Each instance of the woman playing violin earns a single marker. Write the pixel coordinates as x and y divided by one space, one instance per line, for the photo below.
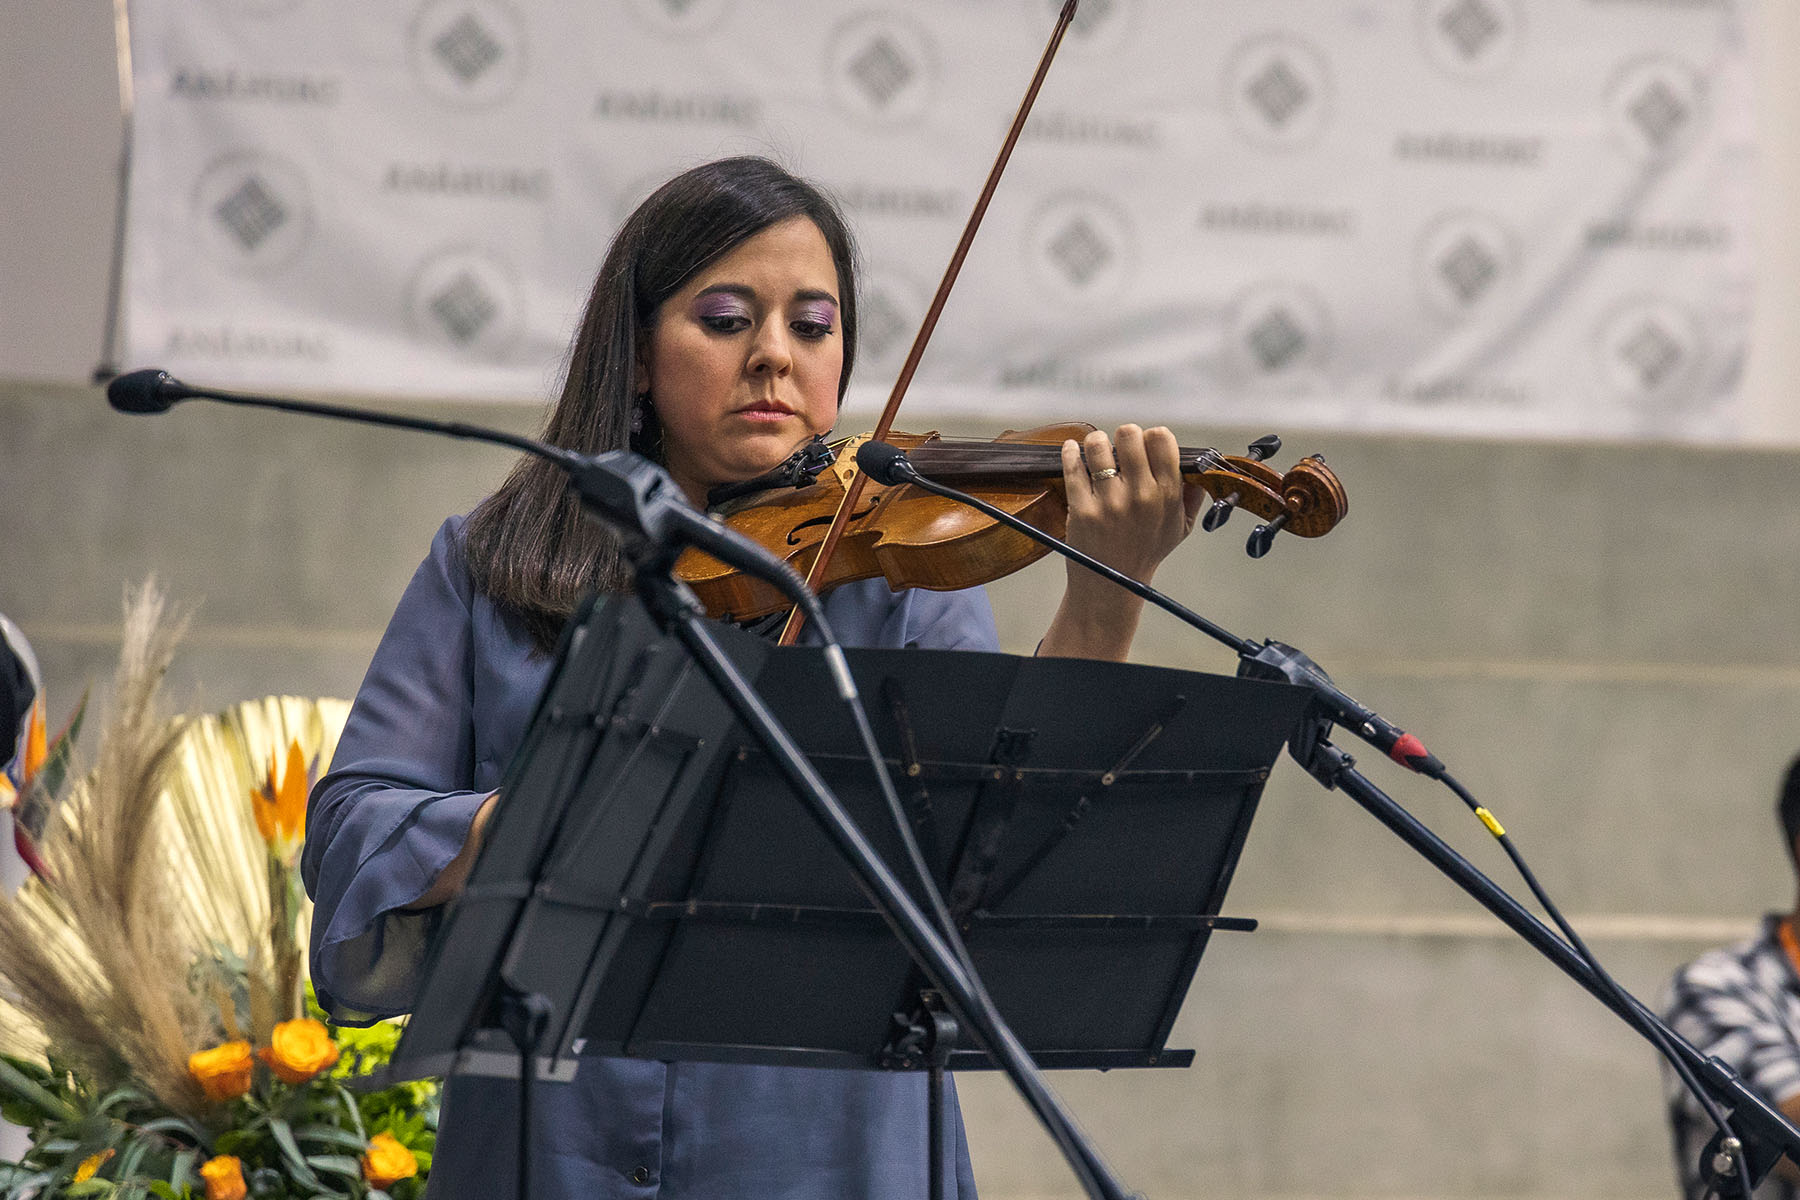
718 339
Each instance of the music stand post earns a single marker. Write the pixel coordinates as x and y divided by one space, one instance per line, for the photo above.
649 843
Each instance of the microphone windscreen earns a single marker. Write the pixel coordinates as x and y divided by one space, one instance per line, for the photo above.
882 463
140 391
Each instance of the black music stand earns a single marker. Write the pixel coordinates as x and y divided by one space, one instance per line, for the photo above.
1082 819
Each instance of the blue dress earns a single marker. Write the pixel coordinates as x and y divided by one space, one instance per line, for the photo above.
443 707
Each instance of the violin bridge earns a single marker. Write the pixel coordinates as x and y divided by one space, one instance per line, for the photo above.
844 467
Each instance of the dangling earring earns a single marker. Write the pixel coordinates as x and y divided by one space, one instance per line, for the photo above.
638 405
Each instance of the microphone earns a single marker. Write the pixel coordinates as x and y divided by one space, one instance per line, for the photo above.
886 464
626 490
145 391
1267 660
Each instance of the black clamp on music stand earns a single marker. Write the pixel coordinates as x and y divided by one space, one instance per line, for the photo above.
1083 820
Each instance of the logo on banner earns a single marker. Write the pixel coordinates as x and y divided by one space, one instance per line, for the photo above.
252 211
1278 329
1099 25
1278 91
1081 247
888 313
1471 39
467 300
681 18
469 52
1649 351
1657 108
231 343
1464 260
201 83
883 68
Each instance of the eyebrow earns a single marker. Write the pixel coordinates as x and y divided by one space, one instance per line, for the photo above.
749 293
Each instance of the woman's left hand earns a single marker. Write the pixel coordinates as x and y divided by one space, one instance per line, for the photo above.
1129 508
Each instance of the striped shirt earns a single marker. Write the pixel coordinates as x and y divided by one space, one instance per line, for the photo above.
1742 1005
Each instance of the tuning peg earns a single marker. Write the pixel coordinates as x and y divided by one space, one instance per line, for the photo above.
1264 447
1263 536
1219 513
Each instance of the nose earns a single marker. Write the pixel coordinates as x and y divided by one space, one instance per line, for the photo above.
771 352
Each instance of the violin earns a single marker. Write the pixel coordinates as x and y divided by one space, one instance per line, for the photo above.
914 539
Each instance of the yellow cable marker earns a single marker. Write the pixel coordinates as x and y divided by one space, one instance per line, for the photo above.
1487 818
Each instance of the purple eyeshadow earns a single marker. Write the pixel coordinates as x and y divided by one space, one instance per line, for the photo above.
720 304
822 312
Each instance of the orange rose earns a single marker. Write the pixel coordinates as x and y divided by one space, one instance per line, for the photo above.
224 1177
387 1161
300 1049
224 1071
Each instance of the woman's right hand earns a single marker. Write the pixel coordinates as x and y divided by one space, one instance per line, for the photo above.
456 872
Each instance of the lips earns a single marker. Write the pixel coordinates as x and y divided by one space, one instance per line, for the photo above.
768 408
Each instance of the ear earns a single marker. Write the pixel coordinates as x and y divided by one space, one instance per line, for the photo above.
640 376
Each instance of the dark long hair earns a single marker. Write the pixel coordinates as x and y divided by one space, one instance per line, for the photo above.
528 547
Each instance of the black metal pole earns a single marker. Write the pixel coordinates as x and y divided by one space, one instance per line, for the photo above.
1753 1116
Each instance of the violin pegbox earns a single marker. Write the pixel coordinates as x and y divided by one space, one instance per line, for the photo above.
1307 500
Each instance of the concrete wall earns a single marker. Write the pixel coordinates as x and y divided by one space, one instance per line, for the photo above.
1599 638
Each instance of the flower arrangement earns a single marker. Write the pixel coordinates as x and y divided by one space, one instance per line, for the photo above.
157 1035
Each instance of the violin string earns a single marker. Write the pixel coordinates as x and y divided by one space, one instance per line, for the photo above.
944 453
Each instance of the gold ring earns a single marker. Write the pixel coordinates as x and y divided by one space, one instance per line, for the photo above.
1107 473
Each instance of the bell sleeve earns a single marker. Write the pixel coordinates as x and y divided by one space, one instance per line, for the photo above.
399 800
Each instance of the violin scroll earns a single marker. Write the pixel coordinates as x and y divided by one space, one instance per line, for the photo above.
1308 500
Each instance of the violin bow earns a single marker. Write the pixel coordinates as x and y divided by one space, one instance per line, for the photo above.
841 519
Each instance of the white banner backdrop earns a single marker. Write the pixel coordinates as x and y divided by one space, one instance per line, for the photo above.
1476 216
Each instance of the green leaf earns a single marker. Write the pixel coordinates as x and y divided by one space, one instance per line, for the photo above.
181 1171
91 1187
333 1135
29 1185
176 1125
290 1151
17 1083
134 1154
351 1107
121 1094
59 754
337 1164
233 1142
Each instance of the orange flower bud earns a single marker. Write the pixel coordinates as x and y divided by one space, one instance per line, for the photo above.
300 1049
224 1177
223 1072
387 1161
90 1166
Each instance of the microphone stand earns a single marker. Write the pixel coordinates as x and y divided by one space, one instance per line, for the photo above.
637 498
1766 1135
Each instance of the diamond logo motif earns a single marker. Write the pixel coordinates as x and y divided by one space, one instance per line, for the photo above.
1471 27
464 308
1277 339
1653 354
467 48
1080 252
1659 113
1469 269
1278 92
677 8
251 213
882 71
